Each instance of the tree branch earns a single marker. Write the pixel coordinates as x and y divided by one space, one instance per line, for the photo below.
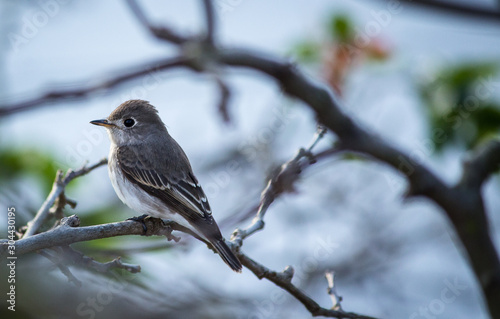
77 258
62 267
57 189
69 233
94 86
463 207
162 33
457 7
332 291
209 21
462 203
283 181
483 162
224 96
284 280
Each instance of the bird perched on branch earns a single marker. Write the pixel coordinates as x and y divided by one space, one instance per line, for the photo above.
152 175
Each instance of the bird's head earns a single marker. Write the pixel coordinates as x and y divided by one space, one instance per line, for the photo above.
132 122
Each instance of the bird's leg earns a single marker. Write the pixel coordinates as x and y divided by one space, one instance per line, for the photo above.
169 230
140 219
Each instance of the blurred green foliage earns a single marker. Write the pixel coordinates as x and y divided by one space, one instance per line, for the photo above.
340 34
459 100
460 105
16 163
306 51
341 28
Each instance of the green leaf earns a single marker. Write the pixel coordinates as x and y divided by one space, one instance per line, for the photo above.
341 28
306 51
454 106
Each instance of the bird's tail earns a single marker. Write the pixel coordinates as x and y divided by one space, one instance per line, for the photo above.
227 255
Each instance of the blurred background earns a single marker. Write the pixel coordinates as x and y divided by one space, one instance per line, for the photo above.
425 80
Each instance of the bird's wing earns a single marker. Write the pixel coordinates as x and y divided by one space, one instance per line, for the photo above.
177 187
173 182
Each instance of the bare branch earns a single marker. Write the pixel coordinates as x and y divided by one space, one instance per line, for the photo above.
284 280
282 182
465 209
332 291
69 232
482 163
57 189
77 258
85 90
162 33
462 203
209 20
279 184
224 96
64 269
458 7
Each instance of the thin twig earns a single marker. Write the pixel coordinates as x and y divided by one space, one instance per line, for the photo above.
209 21
163 32
284 280
465 208
64 269
224 97
282 182
332 291
57 189
94 86
77 258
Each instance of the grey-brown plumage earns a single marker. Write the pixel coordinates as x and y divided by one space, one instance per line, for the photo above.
152 175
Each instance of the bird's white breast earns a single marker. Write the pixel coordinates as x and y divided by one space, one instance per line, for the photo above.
136 198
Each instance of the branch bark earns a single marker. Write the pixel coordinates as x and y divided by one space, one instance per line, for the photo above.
209 21
57 189
283 279
463 206
160 32
69 233
282 182
481 164
457 7
83 91
462 202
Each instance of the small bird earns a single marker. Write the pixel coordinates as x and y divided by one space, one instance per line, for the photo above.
152 175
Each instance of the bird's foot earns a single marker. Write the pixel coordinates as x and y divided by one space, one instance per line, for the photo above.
169 230
140 219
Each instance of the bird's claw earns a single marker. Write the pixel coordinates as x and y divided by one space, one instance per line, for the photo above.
140 219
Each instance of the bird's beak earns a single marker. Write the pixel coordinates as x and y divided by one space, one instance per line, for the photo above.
104 123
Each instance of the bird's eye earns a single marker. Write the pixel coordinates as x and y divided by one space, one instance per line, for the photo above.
129 122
